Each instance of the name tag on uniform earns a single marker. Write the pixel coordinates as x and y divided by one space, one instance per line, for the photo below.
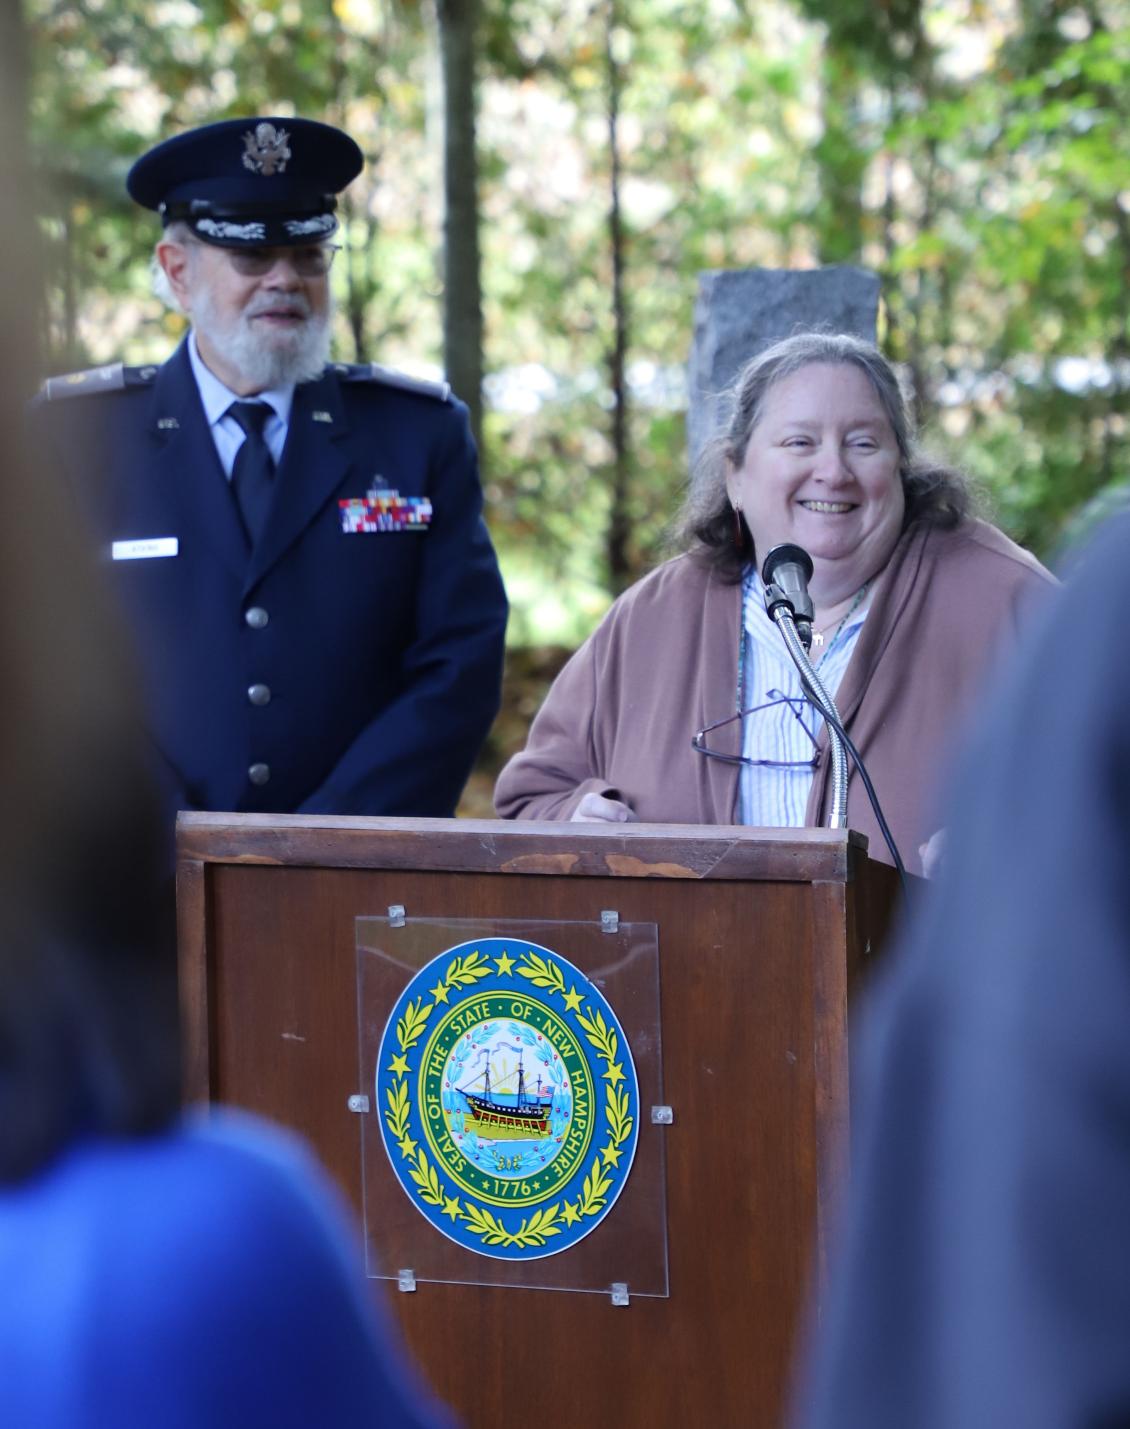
145 549
385 510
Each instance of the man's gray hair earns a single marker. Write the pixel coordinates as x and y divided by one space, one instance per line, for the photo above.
177 232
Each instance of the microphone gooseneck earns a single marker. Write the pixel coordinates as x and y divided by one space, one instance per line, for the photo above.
786 572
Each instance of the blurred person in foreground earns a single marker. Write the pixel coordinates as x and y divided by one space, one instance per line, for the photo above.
913 596
155 1269
984 1278
298 545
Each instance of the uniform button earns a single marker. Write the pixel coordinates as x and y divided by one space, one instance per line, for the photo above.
259 773
259 694
256 617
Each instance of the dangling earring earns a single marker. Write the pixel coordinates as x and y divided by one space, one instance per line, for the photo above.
739 534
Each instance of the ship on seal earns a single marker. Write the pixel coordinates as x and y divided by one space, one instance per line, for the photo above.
503 1117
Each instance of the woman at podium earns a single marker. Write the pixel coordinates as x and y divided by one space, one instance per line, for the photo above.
684 706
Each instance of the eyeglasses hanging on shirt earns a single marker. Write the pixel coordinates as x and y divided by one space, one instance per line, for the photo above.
796 704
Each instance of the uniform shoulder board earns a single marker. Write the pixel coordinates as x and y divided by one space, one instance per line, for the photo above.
374 372
114 377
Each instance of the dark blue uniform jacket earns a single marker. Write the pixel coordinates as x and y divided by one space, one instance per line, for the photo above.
381 651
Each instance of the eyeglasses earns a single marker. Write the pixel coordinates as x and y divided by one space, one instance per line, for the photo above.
312 261
795 703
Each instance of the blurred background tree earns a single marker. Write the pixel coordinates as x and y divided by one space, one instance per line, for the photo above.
545 179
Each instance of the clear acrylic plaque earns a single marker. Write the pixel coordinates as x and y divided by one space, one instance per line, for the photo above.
429 1214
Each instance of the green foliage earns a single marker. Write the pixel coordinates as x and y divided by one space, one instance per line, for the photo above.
975 158
110 80
1028 227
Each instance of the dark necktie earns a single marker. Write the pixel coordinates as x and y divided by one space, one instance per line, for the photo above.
252 476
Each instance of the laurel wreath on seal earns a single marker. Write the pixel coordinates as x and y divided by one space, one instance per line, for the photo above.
536 1229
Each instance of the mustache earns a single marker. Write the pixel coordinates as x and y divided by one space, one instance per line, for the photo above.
296 304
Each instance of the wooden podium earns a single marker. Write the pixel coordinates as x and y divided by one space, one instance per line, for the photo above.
760 933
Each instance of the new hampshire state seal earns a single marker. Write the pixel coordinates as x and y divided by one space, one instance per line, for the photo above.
508 1099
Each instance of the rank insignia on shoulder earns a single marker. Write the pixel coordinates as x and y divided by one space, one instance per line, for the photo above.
114 377
384 510
387 377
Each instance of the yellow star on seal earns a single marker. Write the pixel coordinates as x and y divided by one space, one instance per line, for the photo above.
407 1145
399 1065
439 992
615 1073
572 1000
611 1155
504 964
571 1216
451 1207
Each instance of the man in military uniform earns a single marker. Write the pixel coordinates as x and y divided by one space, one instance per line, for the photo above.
298 546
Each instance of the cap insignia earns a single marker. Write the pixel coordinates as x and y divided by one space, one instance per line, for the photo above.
266 150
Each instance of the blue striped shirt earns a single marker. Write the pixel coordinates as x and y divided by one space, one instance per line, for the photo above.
768 797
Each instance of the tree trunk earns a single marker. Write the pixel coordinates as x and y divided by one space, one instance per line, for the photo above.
462 291
358 284
22 312
618 522
842 161
68 282
357 293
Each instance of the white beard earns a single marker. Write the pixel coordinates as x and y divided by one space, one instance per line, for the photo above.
277 359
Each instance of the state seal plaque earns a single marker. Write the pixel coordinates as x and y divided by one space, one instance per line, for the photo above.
507 1098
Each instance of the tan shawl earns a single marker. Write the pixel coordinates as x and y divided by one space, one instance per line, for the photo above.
663 663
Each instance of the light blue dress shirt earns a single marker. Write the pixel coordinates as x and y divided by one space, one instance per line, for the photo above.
226 432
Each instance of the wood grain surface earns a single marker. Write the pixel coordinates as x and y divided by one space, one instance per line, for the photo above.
757 955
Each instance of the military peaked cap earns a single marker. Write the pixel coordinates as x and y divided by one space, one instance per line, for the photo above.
249 182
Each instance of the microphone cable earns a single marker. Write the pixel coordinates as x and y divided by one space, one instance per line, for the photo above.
877 808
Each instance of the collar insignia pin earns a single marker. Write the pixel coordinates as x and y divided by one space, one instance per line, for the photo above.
321 416
266 150
168 424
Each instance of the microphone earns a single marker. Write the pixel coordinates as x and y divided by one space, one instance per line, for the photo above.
786 572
